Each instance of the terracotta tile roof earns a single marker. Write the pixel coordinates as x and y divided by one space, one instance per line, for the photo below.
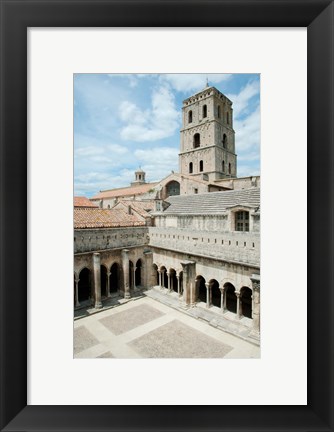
131 190
83 202
143 208
105 218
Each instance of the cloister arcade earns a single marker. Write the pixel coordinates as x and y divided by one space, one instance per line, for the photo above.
224 296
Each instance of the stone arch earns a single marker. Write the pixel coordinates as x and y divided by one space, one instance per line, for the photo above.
231 298
115 277
172 188
246 301
200 288
215 293
173 279
155 275
104 280
164 277
85 285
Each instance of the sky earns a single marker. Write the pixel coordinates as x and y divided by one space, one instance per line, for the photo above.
126 121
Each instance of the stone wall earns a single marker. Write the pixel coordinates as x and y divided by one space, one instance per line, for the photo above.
87 240
241 247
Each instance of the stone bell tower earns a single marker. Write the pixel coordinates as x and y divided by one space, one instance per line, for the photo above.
207 148
139 177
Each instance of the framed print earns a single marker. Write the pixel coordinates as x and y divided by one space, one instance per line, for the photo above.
133 409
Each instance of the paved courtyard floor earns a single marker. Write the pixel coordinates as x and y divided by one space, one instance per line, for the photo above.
146 328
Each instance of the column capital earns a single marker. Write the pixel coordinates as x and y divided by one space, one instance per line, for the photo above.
237 293
108 274
255 278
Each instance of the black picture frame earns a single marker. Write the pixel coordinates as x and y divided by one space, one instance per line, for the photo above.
16 17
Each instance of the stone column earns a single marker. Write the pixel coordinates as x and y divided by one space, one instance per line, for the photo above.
225 300
125 265
189 275
208 289
77 304
255 333
163 278
159 272
108 284
222 300
97 280
148 269
134 278
178 285
168 282
237 293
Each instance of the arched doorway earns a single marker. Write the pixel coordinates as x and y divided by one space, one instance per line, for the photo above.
114 278
201 288
164 277
215 293
138 272
104 280
246 302
231 299
85 285
173 279
155 275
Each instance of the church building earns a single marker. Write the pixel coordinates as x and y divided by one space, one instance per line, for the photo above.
194 235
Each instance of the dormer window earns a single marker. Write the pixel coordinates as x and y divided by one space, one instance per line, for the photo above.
242 221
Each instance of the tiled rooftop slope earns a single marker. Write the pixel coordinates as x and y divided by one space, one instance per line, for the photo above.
213 202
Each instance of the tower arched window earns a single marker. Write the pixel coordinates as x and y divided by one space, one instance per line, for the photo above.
197 140
190 168
205 111
201 166
223 165
224 141
228 118
190 116
229 168
218 111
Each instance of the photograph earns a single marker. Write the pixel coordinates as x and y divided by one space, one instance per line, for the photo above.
166 216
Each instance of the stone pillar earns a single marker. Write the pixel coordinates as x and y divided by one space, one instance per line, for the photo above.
159 272
125 265
76 293
134 277
222 300
225 299
168 282
149 269
208 289
237 293
255 333
97 280
108 284
189 276
178 285
163 278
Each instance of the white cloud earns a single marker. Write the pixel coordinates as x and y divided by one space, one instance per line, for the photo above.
191 82
159 121
247 132
241 100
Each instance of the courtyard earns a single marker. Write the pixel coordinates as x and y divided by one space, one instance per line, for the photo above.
147 328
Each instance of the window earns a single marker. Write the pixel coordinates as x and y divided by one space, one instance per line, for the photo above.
223 165
205 111
218 111
190 168
227 118
229 168
242 221
196 192
224 141
190 116
201 166
197 140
